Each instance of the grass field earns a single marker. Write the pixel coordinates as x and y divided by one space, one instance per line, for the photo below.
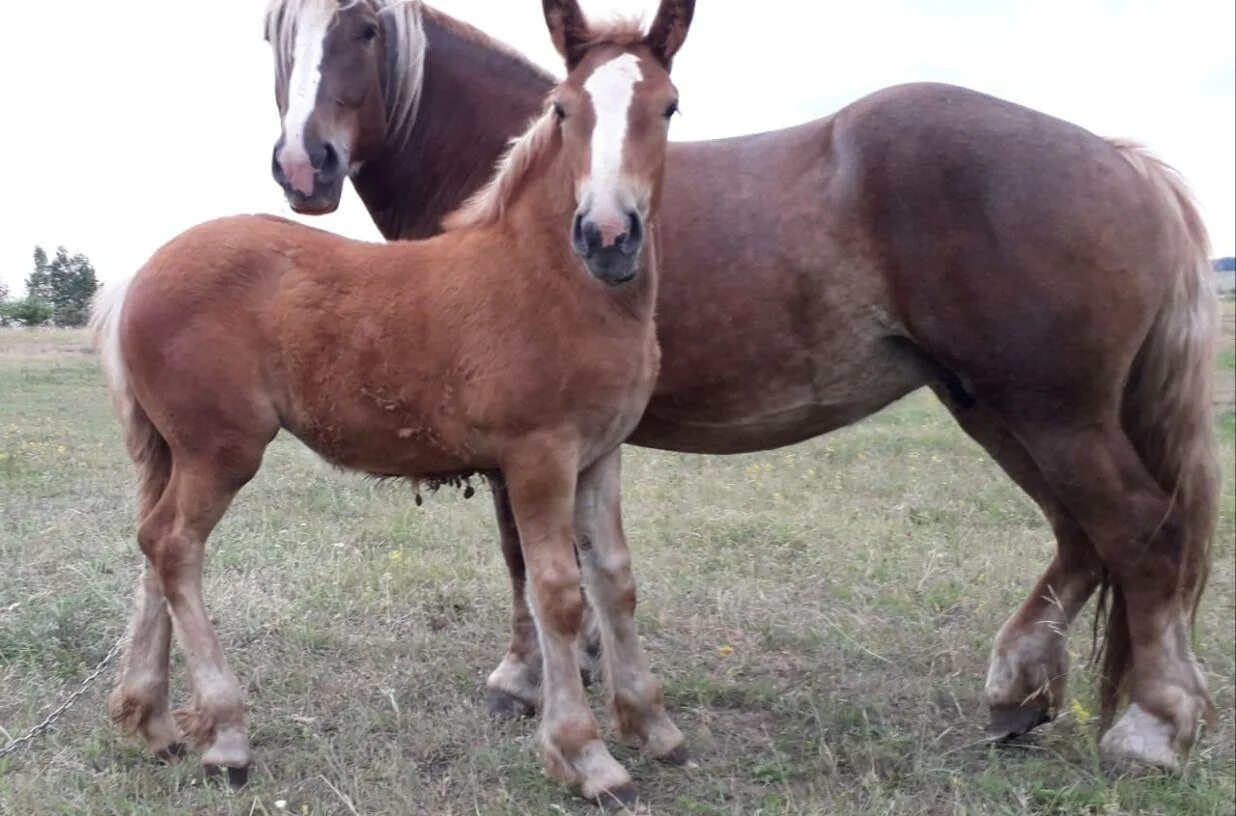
820 617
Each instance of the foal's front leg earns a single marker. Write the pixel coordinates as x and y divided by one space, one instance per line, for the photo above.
541 480
634 693
513 689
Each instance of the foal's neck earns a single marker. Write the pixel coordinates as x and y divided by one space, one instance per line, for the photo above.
474 98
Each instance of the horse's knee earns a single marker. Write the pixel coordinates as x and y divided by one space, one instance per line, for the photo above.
560 605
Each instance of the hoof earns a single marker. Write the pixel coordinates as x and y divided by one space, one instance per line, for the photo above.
502 705
1138 741
1010 722
237 777
620 798
172 753
678 756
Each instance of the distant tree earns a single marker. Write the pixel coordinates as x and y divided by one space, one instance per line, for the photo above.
26 312
65 284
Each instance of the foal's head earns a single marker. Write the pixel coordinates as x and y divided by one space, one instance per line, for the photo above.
613 112
333 63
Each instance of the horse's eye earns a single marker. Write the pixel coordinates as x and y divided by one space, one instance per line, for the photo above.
559 112
369 32
671 109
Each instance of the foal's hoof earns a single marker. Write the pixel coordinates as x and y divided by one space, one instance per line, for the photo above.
237 776
172 753
1010 722
619 799
679 756
503 705
1138 742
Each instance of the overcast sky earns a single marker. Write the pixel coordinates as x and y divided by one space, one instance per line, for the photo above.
129 122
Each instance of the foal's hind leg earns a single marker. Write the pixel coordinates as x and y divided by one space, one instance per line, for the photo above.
174 538
635 695
1028 671
139 700
1138 532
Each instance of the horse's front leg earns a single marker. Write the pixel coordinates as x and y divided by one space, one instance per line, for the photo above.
634 693
514 687
541 479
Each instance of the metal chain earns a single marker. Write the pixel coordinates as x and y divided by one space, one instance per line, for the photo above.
51 718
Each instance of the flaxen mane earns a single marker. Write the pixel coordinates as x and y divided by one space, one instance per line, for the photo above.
406 66
487 205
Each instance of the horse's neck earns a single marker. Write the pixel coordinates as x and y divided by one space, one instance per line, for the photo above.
473 101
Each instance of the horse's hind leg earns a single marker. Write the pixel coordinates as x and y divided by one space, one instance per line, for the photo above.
139 700
174 538
1028 671
1138 532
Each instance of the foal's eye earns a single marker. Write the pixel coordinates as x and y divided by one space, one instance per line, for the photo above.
671 109
559 112
369 32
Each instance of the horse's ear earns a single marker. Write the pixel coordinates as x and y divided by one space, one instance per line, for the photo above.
567 28
669 30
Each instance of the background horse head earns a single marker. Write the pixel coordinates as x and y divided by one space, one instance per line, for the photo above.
334 64
351 79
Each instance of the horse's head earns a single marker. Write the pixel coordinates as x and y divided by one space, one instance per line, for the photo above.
613 113
330 58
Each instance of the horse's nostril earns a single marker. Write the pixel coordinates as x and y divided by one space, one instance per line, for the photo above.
634 237
577 236
330 162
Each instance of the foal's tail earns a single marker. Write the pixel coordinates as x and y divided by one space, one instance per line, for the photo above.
147 447
1167 412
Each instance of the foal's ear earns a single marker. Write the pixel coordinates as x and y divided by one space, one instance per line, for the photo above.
567 28
669 30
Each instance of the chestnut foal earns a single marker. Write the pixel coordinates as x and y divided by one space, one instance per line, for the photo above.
487 349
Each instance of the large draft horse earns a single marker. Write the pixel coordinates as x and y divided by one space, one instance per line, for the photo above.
1048 284
488 349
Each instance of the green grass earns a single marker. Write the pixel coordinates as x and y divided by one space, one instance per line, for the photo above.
819 616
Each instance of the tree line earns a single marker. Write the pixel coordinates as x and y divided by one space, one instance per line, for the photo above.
58 292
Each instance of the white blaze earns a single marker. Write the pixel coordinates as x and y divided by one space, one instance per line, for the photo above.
303 84
611 86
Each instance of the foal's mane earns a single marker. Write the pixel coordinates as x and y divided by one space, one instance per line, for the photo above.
525 153
405 69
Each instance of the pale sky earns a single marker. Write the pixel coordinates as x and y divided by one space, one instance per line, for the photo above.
129 122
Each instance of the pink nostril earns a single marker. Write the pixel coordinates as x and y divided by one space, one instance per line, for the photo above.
611 231
297 169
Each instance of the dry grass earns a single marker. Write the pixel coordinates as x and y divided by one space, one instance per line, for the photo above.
820 617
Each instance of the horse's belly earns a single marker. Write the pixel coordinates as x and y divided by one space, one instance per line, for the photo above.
775 406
